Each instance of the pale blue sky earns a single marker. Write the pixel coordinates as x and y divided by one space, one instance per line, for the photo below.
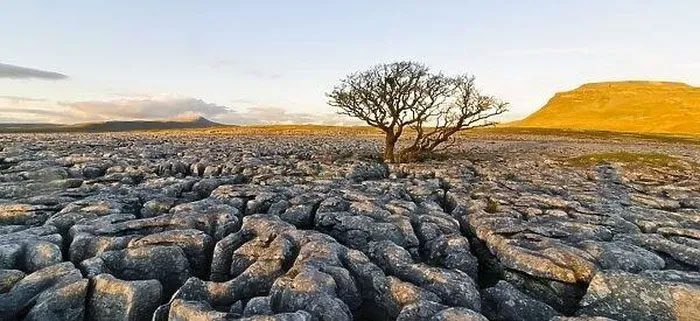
274 60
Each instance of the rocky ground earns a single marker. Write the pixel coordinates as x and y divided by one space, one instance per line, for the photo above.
209 227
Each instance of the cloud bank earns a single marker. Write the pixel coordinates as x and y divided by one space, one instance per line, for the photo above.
20 99
27 110
275 115
146 109
17 72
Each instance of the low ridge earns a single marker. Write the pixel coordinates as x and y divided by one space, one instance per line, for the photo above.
114 125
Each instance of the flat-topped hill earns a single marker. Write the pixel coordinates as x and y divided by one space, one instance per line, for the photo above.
630 106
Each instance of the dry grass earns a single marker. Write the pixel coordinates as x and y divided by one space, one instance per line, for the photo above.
590 134
491 206
494 133
627 159
311 130
285 130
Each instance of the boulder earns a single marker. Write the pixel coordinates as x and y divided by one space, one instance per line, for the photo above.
367 171
8 278
167 264
622 256
504 302
63 303
56 292
453 287
119 300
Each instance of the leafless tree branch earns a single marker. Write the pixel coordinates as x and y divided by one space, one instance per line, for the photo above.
393 97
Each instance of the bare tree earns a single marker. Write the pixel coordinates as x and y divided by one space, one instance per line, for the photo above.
406 95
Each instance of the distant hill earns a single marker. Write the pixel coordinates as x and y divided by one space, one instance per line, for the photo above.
630 106
112 126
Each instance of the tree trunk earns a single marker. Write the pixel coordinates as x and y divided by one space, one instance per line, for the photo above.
408 155
390 142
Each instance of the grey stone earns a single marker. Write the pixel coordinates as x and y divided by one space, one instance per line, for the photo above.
114 299
505 302
625 296
8 278
56 292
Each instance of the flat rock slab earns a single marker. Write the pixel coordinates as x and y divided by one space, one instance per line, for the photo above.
626 296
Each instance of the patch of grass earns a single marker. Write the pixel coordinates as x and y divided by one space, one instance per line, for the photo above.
692 139
491 206
626 158
511 177
432 156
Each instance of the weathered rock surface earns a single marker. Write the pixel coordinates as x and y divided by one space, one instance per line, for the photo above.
625 296
505 302
56 292
114 299
153 226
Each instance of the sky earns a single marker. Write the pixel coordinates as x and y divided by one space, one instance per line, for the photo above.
245 62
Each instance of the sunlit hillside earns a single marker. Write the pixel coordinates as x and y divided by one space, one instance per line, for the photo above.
632 106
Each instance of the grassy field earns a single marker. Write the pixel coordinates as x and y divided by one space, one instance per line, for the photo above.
647 159
590 134
293 130
515 132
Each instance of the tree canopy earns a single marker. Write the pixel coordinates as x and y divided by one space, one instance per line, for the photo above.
407 95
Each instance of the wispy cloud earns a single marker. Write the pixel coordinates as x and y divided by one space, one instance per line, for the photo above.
27 110
144 108
243 101
20 99
31 112
18 109
17 72
275 115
